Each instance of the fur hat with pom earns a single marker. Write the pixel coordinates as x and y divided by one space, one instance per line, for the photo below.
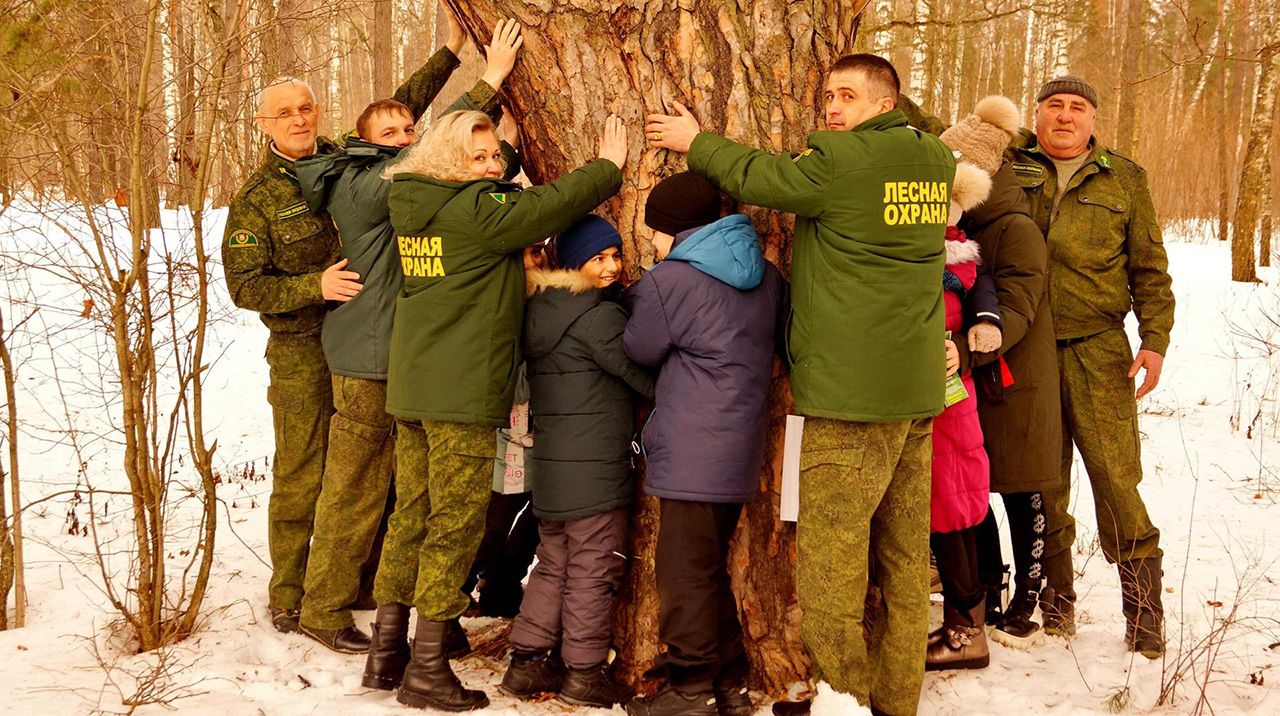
982 136
971 187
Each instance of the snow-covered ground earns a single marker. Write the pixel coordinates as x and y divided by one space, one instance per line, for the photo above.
1210 451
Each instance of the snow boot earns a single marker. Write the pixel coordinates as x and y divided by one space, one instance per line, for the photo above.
1059 613
532 673
388 648
594 686
1016 629
732 696
428 680
961 641
693 700
792 708
456 644
996 584
1143 611
284 621
348 640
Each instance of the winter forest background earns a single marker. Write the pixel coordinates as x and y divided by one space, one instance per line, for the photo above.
137 439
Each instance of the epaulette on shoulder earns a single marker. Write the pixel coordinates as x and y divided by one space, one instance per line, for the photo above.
1121 163
254 181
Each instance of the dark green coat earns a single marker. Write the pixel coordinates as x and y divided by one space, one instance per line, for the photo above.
455 342
580 397
348 184
1022 423
866 336
1106 251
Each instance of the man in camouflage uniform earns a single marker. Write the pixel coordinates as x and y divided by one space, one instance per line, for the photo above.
281 260
866 344
1106 255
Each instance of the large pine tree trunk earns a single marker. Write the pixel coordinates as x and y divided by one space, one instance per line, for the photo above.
752 71
1254 168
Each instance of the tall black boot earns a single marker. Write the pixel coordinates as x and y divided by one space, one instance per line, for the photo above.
389 650
428 680
1140 587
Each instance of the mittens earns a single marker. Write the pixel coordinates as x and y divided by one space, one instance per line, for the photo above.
984 338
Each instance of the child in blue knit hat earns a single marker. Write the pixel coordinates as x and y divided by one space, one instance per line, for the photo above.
581 392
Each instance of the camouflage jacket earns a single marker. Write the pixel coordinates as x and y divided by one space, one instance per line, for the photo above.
275 248
1106 253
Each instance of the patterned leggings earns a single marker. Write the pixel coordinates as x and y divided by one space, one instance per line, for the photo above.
1026 526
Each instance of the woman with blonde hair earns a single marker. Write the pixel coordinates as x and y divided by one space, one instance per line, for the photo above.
455 352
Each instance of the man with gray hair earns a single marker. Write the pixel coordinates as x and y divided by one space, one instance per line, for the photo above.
1106 256
281 260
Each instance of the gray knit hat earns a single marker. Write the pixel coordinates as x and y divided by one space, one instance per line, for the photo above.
1068 84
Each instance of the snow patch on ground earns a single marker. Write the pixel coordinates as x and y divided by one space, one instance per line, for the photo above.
1210 452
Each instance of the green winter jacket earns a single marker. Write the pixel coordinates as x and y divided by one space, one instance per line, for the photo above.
866 336
455 341
348 184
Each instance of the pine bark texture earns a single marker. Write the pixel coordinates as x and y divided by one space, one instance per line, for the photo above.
752 71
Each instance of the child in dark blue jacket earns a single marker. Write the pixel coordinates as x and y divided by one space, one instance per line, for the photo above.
709 315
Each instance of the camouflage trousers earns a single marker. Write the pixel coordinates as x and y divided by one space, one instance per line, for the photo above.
357 475
301 405
1100 418
444 472
864 496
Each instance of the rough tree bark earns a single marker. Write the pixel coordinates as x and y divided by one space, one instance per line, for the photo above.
382 57
753 71
1253 169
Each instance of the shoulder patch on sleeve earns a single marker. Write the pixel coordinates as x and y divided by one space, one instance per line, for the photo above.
241 238
801 155
292 210
1027 168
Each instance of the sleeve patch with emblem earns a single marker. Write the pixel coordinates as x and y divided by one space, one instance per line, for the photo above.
242 238
499 197
801 155
1028 168
292 210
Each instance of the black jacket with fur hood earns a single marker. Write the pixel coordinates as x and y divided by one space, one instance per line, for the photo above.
581 387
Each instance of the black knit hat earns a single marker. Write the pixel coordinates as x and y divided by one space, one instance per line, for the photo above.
681 202
1068 84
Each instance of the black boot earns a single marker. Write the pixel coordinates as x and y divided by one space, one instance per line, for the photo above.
1143 610
671 700
456 644
1016 629
732 696
594 687
996 584
284 621
388 648
428 680
792 708
1058 598
348 640
532 673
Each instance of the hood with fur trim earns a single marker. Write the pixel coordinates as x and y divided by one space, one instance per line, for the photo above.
557 298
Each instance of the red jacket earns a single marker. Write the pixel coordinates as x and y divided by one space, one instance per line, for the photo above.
961 473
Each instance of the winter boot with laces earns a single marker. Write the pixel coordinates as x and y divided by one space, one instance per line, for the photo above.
533 673
1016 629
732 696
428 680
388 647
595 687
671 700
961 641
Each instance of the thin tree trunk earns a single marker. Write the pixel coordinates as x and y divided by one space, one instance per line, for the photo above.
1251 174
1130 59
1226 124
12 571
382 58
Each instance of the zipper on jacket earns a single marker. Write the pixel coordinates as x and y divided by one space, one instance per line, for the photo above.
786 339
644 431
